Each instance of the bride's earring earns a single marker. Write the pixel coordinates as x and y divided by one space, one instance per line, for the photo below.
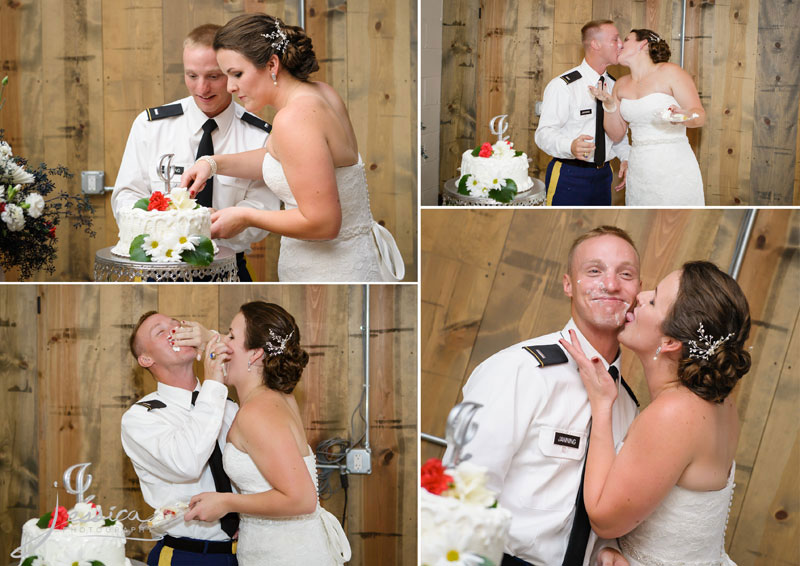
658 351
274 79
249 363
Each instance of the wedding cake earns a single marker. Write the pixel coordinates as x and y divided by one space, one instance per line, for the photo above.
80 536
163 228
458 517
493 167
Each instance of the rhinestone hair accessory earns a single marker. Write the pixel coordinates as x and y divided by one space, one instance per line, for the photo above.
705 346
280 343
654 37
277 37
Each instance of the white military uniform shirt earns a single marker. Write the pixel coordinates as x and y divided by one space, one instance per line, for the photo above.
568 111
170 448
526 410
149 140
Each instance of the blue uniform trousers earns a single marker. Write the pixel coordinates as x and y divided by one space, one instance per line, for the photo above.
573 185
163 555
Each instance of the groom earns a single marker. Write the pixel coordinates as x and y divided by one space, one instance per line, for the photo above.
571 125
533 429
174 438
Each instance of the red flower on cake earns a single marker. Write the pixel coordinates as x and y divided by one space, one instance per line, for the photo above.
486 150
433 477
61 518
158 201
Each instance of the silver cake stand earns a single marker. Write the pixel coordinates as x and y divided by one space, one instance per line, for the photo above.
110 267
535 196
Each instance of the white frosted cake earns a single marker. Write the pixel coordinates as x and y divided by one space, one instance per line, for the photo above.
491 167
173 223
462 521
86 539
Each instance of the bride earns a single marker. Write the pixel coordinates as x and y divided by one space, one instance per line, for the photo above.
311 160
667 494
659 100
267 456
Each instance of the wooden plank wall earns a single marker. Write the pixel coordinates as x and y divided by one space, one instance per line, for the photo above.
79 77
67 395
742 55
492 279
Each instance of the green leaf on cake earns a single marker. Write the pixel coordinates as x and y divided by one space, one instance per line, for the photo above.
44 520
506 194
476 151
29 560
518 153
462 185
136 251
109 523
202 255
142 203
92 562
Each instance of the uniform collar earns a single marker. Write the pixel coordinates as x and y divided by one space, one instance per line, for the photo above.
177 395
588 73
588 349
197 117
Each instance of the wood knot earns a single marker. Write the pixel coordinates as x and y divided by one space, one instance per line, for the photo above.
767 121
378 26
736 15
777 78
312 12
373 167
737 200
761 242
727 111
781 515
777 45
386 96
730 151
382 223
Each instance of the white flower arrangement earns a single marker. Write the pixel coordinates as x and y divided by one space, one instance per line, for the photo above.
469 485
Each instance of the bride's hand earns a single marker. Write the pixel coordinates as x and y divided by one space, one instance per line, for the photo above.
599 384
195 177
623 175
228 222
600 94
610 557
208 506
217 354
192 335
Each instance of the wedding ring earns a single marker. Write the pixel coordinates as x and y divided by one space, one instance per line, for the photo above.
211 355
585 155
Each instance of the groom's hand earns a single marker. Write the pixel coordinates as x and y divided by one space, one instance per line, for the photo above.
582 147
623 175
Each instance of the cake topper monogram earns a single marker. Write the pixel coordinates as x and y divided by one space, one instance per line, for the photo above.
501 127
166 171
82 484
460 430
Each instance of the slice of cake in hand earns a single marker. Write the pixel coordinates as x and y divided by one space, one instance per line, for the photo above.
460 522
167 516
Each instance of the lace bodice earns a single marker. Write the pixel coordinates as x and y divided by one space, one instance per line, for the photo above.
352 255
687 529
316 538
662 168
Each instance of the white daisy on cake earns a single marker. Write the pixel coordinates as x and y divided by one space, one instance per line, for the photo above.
168 251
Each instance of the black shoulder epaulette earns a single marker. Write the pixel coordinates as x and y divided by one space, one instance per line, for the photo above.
629 390
571 77
611 77
164 112
547 354
257 122
154 404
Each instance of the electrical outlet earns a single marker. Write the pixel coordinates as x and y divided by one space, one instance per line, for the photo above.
358 461
93 182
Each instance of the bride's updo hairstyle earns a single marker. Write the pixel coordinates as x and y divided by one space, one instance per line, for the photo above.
257 37
711 318
658 48
270 327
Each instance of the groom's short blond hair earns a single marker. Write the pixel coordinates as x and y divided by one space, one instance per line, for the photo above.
590 30
594 233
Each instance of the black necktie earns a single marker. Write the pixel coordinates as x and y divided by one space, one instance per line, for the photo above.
579 536
230 522
599 131
206 147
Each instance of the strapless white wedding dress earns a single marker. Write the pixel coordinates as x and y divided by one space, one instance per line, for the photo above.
317 538
662 168
687 529
363 250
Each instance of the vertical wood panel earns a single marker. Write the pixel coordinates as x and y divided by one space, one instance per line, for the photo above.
19 465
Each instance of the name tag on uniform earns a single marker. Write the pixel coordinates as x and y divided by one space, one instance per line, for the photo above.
586 111
564 439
